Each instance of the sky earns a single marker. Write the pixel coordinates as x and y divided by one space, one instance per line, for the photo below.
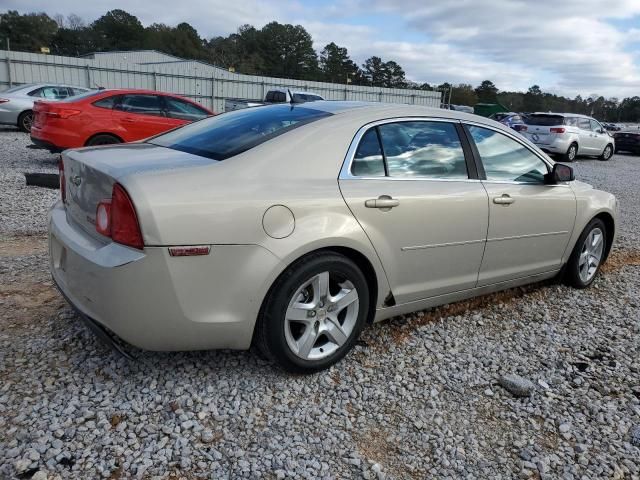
568 47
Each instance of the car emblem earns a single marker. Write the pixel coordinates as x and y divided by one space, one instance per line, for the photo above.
76 180
535 137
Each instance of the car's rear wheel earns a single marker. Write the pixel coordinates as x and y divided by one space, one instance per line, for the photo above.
606 153
25 120
572 153
587 255
103 139
314 313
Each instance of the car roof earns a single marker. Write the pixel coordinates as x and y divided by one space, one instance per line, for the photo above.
299 92
50 84
377 110
558 114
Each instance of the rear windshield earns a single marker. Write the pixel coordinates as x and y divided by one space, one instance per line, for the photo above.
235 132
545 120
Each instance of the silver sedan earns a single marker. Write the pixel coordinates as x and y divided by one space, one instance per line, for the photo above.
292 227
16 104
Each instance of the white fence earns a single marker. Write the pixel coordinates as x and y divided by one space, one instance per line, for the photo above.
202 82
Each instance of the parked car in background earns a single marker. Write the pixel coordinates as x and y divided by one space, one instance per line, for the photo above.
510 119
16 104
461 108
110 116
217 235
628 141
569 135
612 127
276 95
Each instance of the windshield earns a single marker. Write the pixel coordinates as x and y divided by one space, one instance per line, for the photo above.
545 120
235 132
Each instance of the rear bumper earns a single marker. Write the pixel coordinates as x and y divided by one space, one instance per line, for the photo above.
158 302
44 144
56 138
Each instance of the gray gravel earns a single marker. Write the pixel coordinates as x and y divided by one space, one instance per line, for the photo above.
418 398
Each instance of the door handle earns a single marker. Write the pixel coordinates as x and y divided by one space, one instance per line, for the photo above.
503 200
128 119
383 202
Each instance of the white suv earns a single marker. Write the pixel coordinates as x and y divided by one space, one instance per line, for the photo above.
569 135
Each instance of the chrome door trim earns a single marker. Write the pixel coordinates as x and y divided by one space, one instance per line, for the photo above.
437 245
531 235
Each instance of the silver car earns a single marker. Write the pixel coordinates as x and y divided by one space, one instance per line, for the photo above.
292 227
16 104
569 135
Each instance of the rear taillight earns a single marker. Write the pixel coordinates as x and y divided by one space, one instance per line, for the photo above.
4 100
62 113
557 129
116 218
63 183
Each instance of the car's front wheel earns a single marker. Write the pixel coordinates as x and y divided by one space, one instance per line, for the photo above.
587 255
314 313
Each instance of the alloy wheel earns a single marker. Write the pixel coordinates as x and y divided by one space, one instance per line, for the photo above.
572 153
27 121
321 316
607 152
591 254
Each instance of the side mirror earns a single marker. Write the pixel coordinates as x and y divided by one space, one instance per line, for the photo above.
561 173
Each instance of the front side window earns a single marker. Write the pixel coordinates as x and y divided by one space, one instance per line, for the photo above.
232 133
182 110
423 149
140 104
368 160
595 126
584 123
506 160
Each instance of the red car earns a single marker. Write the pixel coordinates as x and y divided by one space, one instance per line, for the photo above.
101 117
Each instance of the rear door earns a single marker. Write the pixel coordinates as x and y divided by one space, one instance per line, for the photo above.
530 223
138 116
412 187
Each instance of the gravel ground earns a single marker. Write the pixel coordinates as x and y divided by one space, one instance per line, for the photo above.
420 397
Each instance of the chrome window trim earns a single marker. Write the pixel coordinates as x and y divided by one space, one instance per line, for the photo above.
345 171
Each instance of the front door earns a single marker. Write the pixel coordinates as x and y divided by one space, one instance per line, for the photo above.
600 137
530 223
409 187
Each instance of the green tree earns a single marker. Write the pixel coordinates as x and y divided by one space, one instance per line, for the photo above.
533 100
336 66
378 73
27 32
287 51
487 92
118 30
463 94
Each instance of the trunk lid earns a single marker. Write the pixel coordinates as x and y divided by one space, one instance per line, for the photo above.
539 128
91 172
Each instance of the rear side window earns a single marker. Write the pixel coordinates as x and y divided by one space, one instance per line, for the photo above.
107 102
182 110
506 160
368 160
232 133
545 120
423 149
51 93
141 104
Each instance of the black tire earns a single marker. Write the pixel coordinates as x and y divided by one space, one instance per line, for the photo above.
102 139
571 154
25 120
572 269
607 153
269 335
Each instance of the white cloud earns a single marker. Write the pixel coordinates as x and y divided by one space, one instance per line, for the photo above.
569 46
